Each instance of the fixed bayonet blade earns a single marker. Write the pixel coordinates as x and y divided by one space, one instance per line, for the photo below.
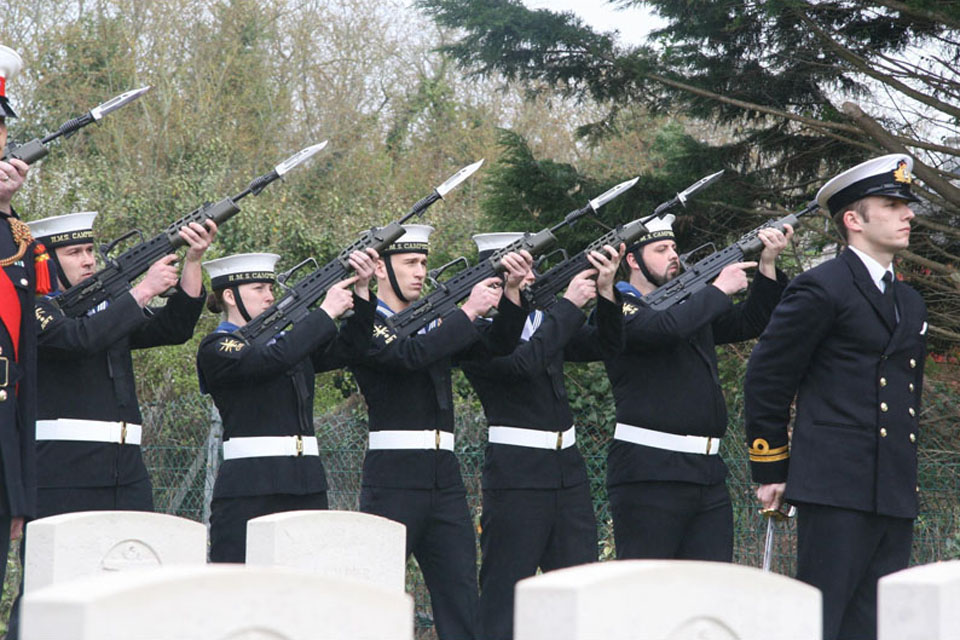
298 158
609 195
458 177
696 186
121 100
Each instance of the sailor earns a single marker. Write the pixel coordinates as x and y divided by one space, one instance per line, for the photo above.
264 392
89 423
410 473
537 508
848 339
666 481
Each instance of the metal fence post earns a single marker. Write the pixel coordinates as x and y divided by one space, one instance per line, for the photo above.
213 460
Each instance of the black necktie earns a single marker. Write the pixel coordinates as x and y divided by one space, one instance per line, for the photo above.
889 300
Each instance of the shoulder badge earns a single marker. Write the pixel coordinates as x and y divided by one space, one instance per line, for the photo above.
43 317
382 332
629 309
230 345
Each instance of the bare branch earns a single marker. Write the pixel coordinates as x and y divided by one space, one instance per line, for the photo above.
929 175
864 67
917 12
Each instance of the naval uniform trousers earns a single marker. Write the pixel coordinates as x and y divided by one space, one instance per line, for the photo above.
681 520
440 536
523 529
844 552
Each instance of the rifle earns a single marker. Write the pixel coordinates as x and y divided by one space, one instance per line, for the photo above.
115 278
696 277
36 149
542 294
296 302
444 300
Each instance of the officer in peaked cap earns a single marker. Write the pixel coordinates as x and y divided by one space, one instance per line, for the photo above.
537 508
264 393
665 478
849 340
410 473
21 260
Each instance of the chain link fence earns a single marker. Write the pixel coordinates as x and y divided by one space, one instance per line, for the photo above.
181 449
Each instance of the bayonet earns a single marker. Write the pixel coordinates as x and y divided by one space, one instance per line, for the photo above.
121 100
36 149
681 198
458 177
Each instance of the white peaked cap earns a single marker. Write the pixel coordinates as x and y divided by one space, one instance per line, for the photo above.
241 268
888 175
59 231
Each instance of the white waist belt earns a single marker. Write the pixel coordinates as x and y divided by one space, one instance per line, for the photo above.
89 431
428 439
268 446
669 441
533 438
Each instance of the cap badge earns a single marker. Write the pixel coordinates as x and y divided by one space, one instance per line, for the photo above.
902 173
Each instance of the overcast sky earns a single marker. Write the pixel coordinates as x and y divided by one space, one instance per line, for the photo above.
633 24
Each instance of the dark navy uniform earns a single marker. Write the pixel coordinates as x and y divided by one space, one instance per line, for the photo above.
537 509
407 386
669 503
86 373
848 340
267 390
18 391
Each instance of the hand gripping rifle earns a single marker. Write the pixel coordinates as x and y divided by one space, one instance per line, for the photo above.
36 149
444 300
296 302
115 278
699 275
542 294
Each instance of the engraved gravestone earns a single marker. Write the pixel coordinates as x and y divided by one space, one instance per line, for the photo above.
73 545
665 600
346 544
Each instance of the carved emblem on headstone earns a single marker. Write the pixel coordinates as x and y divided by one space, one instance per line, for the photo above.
130 554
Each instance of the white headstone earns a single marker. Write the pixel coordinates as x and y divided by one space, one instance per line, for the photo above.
665 600
340 544
216 602
73 545
920 603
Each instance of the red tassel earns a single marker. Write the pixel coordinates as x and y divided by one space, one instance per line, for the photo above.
41 263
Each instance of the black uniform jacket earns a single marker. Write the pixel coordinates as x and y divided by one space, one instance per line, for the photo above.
525 389
406 383
86 372
858 382
18 496
267 390
666 378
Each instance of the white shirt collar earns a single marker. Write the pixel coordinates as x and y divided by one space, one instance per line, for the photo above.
874 268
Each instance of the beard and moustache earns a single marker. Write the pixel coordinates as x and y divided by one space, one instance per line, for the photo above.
658 280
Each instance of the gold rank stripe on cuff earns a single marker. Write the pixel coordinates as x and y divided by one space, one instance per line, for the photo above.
760 451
